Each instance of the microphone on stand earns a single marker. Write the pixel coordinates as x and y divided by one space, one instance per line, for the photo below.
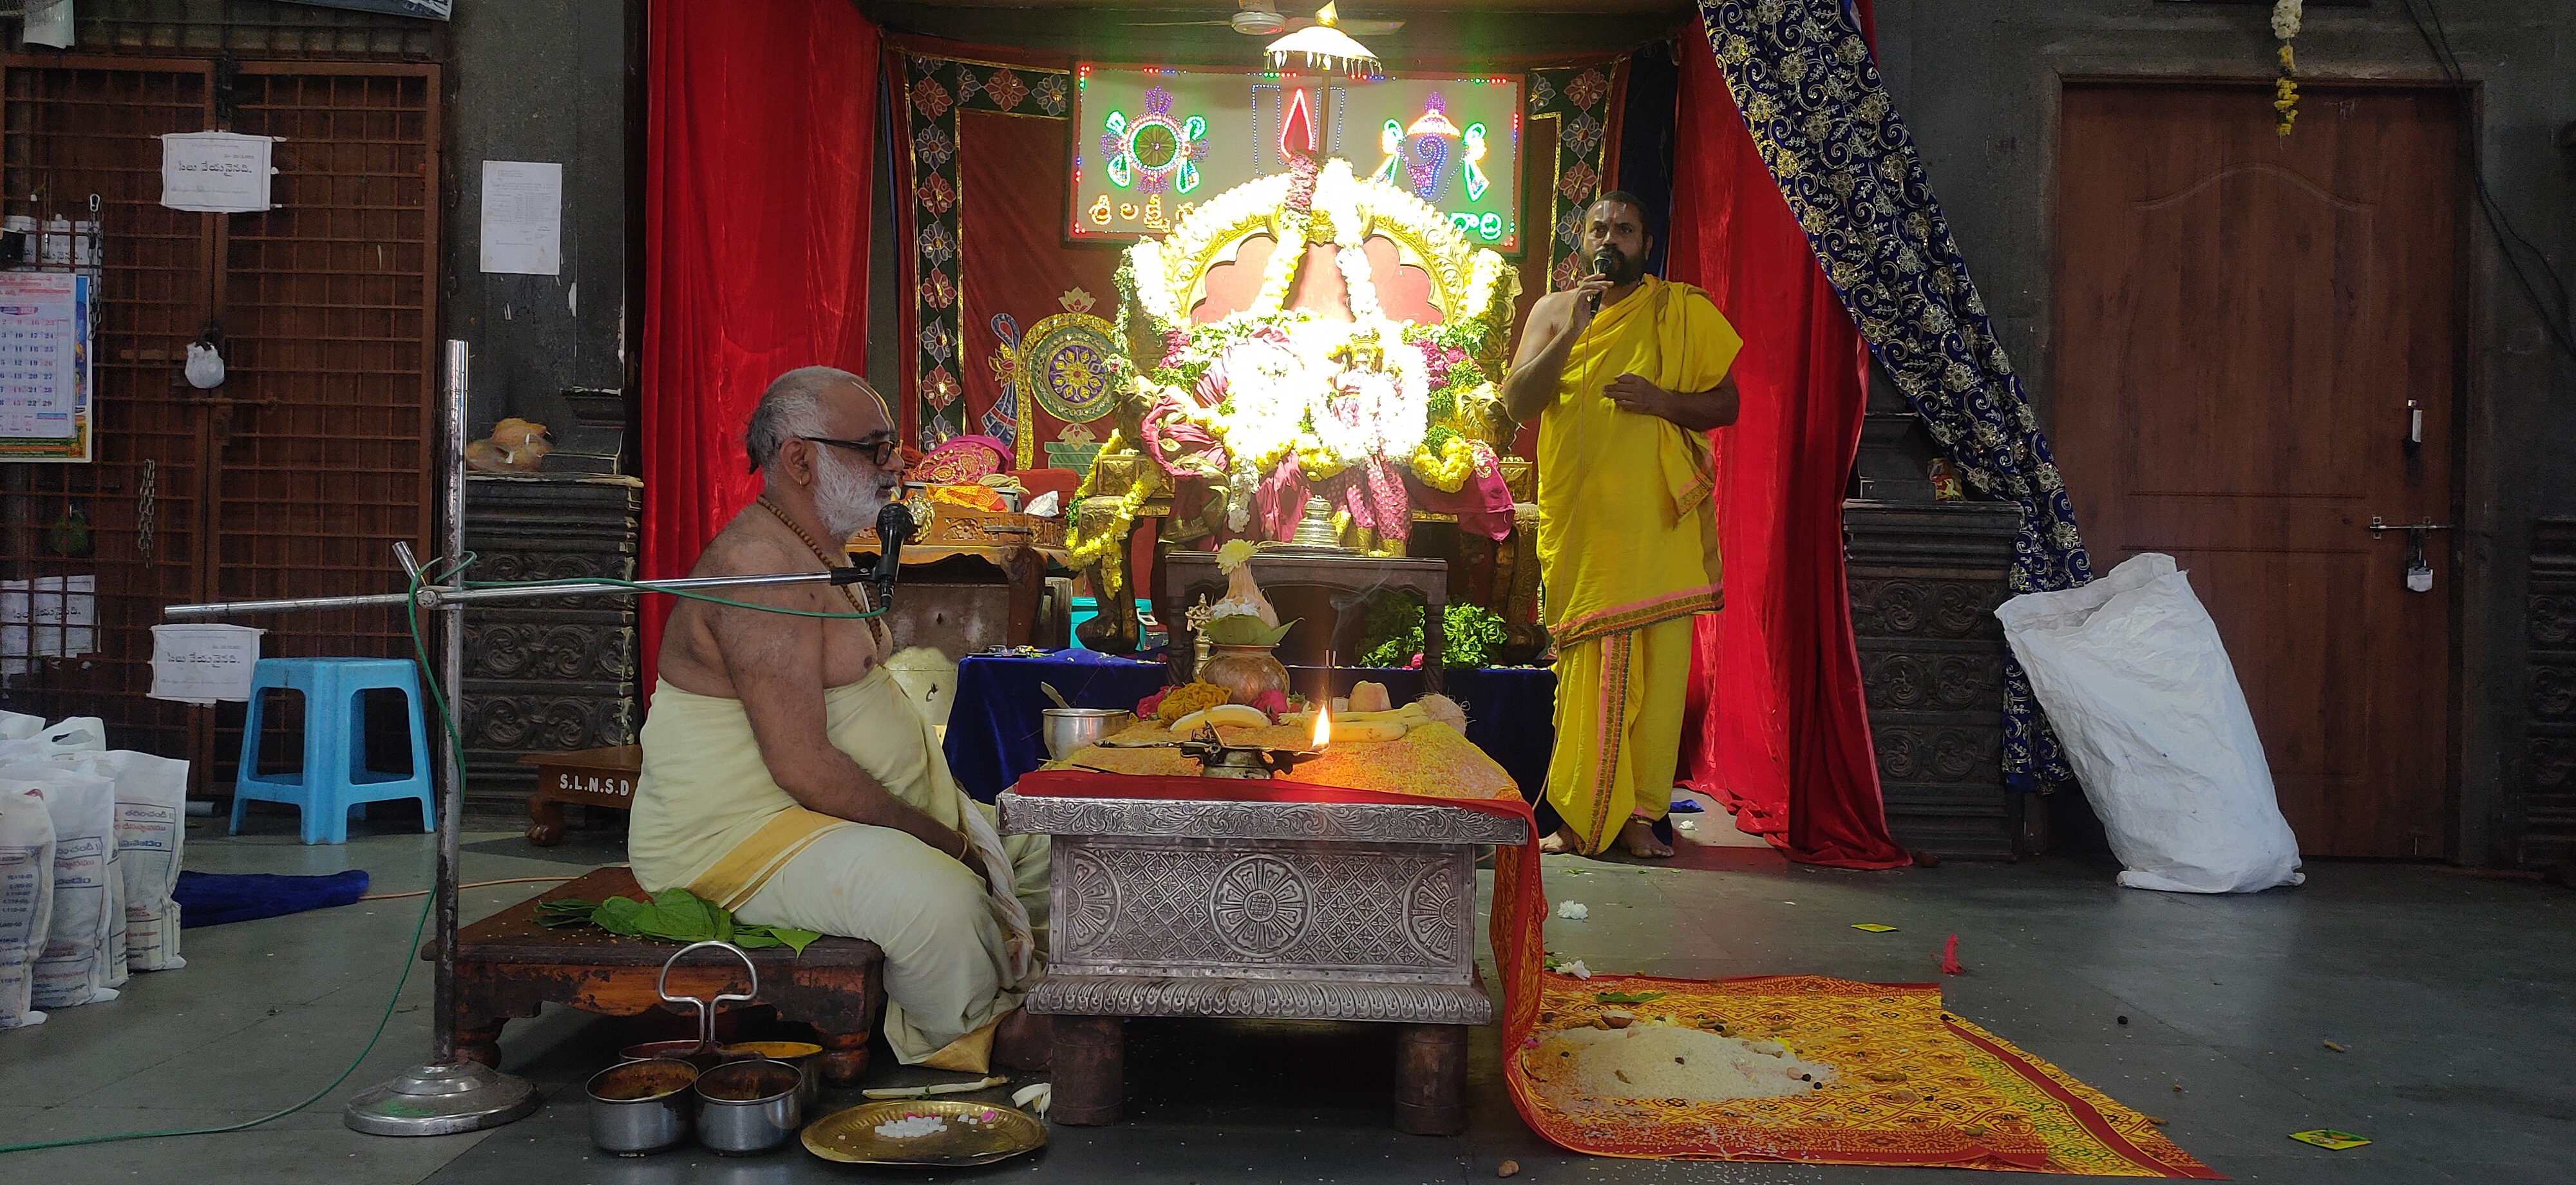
1602 261
894 527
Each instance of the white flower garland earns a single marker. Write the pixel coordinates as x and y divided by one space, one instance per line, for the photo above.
2285 19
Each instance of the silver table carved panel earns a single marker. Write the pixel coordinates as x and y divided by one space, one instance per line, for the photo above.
1283 911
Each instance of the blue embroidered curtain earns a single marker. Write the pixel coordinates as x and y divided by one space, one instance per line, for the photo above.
1809 91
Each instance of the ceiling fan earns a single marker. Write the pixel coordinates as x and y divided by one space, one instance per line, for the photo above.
1261 18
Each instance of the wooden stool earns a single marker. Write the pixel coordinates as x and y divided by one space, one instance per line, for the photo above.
507 965
591 777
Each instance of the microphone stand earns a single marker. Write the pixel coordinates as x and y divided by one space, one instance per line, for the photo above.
446 1094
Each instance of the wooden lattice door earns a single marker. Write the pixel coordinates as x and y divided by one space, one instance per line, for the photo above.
296 476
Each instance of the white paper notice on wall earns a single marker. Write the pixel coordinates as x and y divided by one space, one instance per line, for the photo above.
523 217
215 172
47 617
200 664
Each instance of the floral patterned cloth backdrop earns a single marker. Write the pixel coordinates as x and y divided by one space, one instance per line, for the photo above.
1810 92
964 378
1579 99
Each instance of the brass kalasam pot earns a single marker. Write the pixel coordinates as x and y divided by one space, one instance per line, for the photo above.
1245 672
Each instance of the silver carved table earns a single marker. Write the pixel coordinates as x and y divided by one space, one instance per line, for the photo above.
1263 910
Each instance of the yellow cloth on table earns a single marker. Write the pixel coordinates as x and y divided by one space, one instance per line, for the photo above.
708 817
1627 540
1430 759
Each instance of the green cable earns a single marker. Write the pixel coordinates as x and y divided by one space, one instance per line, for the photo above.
455 740
420 648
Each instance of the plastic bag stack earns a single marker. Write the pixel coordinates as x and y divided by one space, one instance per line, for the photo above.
26 901
89 855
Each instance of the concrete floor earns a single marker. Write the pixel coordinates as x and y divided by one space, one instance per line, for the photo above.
2450 993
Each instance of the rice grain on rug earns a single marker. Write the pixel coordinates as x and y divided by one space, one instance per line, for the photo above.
1912 1085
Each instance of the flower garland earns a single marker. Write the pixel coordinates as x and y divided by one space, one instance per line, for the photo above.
2285 88
1089 549
1445 460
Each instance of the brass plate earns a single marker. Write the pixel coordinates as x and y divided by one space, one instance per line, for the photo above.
851 1137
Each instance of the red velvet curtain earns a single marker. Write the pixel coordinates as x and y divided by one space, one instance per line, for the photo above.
1778 729
757 186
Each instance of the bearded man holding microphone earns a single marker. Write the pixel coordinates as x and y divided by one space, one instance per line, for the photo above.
1626 374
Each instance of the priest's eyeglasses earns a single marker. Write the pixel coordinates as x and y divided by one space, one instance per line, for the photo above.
880 449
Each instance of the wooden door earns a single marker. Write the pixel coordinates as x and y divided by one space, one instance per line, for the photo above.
293 478
2241 321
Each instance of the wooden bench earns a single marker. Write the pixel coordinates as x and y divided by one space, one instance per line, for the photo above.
507 965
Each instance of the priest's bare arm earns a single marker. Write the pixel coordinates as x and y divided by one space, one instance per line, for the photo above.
775 662
1695 411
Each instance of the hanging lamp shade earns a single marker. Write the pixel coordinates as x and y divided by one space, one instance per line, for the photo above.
1323 46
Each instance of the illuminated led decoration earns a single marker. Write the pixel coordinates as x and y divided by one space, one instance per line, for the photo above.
1296 127
1154 153
1417 157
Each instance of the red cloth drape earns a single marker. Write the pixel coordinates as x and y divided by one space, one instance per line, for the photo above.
1777 729
761 135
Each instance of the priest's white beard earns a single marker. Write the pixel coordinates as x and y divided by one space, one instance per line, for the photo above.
845 498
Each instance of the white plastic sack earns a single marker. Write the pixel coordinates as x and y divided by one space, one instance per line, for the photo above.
26 901
76 734
2133 675
76 964
19 726
151 822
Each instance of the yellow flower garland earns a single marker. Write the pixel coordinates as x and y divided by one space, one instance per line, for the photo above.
1085 551
1446 471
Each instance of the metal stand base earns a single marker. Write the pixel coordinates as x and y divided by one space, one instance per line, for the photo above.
442 1100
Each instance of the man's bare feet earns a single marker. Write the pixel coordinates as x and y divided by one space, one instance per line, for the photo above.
1638 839
1024 1041
1559 843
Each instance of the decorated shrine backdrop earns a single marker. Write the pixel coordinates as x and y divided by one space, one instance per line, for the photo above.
986 265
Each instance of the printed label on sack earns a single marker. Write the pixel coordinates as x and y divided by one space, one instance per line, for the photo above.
142 826
80 862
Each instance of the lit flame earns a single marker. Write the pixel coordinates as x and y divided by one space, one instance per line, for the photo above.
1323 726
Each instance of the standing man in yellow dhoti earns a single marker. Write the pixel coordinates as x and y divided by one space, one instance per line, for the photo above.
788 778
1626 374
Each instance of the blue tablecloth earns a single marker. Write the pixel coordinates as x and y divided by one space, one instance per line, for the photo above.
994 731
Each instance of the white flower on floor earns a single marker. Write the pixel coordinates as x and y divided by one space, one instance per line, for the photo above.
1573 911
1576 969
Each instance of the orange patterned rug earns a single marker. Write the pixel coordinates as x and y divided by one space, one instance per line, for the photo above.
1912 1085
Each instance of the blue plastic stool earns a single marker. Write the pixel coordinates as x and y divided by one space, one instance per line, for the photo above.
333 783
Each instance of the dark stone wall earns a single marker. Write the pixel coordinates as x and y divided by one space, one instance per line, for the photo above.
541 80
1978 85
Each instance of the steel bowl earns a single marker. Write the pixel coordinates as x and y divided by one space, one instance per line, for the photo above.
804 1055
1070 729
749 1106
642 1107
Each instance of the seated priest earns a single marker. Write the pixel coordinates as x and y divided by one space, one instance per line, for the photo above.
788 778
1626 375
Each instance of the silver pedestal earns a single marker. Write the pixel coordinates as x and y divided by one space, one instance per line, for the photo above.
442 1100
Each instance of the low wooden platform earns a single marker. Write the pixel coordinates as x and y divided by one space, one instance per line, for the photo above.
507 965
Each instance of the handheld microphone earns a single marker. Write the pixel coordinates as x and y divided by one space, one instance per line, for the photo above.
1602 261
894 527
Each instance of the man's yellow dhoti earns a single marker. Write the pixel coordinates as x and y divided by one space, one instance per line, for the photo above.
709 818
1627 549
